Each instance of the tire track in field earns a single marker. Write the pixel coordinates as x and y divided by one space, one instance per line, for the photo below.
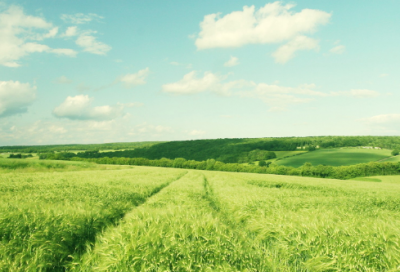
249 238
90 241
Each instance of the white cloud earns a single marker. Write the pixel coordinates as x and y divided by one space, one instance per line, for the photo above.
91 45
287 51
273 23
358 93
80 18
131 104
18 34
64 51
384 119
196 132
15 97
339 49
63 80
233 61
80 108
383 75
71 31
189 84
132 80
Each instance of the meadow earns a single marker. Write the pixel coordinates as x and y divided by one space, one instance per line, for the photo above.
337 157
80 218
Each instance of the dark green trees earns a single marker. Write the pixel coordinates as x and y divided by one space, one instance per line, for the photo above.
395 152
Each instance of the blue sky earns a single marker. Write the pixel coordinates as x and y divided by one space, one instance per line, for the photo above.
102 71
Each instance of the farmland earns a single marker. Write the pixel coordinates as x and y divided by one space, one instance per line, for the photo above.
336 157
78 216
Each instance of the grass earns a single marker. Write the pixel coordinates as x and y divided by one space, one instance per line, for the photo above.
282 154
336 157
392 159
160 219
47 218
368 179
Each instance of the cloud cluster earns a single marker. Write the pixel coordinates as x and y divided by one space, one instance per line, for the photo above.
273 23
80 108
20 34
275 96
15 97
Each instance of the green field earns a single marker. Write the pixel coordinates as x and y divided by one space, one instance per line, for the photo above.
282 154
336 157
159 219
392 159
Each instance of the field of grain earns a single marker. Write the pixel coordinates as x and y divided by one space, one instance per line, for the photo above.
336 157
159 219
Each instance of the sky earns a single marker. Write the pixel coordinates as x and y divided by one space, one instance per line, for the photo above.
99 71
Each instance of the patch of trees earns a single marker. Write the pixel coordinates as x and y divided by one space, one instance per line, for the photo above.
19 156
395 152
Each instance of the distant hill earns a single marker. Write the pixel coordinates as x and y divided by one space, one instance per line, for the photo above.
238 150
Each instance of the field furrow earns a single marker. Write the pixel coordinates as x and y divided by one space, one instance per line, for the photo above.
47 219
176 230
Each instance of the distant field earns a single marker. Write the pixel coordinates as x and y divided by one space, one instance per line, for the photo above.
336 157
281 154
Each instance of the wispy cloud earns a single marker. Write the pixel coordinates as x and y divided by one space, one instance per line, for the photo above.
80 18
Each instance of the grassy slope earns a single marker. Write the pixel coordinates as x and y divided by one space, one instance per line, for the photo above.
336 157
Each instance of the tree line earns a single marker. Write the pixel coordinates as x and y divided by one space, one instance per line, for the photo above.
307 170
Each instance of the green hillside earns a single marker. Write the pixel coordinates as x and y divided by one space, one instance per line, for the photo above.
336 157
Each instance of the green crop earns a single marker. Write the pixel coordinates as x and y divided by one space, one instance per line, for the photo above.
160 219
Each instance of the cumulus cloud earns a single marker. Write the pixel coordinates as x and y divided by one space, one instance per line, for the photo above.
15 97
19 35
273 23
233 61
132 80
80 18
90 44
339 49
80 108
287 51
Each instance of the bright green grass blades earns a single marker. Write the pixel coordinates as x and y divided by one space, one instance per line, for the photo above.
176 230
47 217
313 224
